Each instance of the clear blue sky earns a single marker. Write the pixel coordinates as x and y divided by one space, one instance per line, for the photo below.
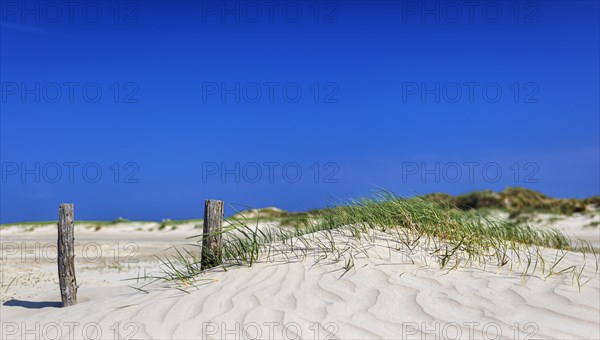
369 113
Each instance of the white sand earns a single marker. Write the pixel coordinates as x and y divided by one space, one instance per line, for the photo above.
384 295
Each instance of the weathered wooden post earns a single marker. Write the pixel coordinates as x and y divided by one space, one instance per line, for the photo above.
211 236
66 255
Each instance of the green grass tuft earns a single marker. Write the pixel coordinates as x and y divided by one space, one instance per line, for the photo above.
454 237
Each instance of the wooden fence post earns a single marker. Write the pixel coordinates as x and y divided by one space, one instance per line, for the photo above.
66 255
211 236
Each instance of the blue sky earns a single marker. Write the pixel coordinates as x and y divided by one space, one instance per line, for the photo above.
145 109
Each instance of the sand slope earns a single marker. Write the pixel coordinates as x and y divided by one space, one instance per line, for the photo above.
385 295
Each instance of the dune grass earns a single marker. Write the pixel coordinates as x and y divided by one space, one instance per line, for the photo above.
412 226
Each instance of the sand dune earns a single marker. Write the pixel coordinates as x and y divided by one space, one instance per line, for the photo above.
384 295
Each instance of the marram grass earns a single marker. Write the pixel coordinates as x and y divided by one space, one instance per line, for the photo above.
453 238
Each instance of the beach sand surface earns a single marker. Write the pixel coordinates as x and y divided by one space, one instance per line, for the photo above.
386 294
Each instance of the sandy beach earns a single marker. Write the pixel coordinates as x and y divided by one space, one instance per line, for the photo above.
287 295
